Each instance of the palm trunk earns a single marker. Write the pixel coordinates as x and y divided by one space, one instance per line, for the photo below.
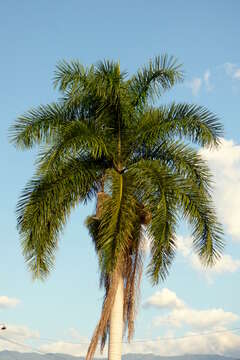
116 324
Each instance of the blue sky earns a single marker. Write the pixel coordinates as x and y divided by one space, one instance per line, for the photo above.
204 36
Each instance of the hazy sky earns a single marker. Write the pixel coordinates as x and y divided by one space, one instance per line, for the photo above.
204 36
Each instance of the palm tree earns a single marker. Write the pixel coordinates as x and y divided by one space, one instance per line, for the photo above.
104 139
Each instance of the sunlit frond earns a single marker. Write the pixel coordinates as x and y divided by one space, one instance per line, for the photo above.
71 74
184 121
168 195
151 80
73 139
38 125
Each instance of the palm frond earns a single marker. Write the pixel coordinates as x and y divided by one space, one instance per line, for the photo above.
180 158
198 209
158 185
130 267
118 219
44 206
159 75
74 138
133 274
184 121
70 75
167 193
100 331
39 125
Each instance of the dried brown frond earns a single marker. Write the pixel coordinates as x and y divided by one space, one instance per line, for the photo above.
145 215
101 198
131 269
100 331
134 289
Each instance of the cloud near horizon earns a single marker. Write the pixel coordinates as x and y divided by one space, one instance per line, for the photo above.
224 342
181 314
210 323
17 335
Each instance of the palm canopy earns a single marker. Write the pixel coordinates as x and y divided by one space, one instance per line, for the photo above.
105 135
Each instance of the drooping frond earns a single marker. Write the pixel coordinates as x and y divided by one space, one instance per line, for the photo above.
119 216
198 209
158 185
167 193
180 158
184 161
101 328
130 267
73 139
133 275
38 126
183 121
44 206
159 75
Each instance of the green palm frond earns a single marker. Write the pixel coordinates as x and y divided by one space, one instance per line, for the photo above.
39 125
184 121
198 209
182 160
158 185
45 205
167 194
70 75
73 139
159 75
118 219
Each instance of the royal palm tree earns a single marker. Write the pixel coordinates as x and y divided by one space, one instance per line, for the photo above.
104 139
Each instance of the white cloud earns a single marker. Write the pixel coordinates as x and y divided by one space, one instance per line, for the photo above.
74 333
206 79
232 70
6 302
217 342
182 314
195 85
208 334
77 347
224 343
197 319
225 165
164 299
20 332
17 334
225 264
237 74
